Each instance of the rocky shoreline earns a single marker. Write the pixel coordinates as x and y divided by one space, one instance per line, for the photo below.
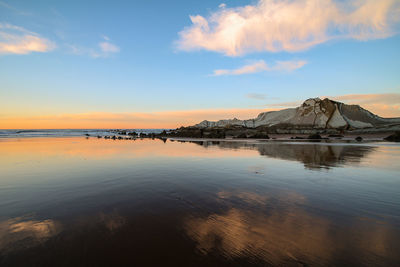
315 119
182 134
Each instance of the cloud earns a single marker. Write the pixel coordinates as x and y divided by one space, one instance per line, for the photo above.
17 40
260 66
256 96
251 68
104 50
15 10
108 47
272 25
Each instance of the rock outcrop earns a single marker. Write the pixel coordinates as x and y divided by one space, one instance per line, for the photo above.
314 114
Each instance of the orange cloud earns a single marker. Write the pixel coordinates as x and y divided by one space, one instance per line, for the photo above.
17 40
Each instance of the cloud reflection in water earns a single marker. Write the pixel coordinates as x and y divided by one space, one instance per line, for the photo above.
281 231
22 233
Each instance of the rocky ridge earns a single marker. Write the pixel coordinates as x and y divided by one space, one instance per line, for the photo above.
312 116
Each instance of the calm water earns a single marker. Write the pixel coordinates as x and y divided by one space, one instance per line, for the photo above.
95 202
67 132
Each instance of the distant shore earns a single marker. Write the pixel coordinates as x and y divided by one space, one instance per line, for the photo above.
294 138
329 138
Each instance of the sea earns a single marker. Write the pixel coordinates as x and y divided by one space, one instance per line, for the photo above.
67 199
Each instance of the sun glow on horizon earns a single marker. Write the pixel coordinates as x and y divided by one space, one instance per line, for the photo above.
384 105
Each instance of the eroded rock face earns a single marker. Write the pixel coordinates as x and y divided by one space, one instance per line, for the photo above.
313 114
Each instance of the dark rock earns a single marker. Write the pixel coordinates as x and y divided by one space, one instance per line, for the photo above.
335 135
314 137
259 136
242 135
296 137
359 138
393 137
214 133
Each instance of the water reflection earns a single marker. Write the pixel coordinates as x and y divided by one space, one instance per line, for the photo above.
313 156
112 221
23 232
280 231
99 202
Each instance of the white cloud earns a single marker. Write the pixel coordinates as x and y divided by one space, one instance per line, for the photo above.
108 47
17 40
272 25
104 49
260 66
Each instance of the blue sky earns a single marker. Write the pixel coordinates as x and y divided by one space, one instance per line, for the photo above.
124 57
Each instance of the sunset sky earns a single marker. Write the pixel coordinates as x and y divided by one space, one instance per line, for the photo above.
163 64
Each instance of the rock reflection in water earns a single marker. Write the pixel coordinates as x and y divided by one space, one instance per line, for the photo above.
313 156
289 234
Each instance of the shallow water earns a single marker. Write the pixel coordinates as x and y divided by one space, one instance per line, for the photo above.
95 202
17 133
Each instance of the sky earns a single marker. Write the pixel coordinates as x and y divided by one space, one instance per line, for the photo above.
164 64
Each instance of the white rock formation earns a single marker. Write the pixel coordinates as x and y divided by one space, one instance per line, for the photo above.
313 113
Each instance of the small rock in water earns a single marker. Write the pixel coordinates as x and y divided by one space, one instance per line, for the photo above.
296 137
359 138
393 137
314 137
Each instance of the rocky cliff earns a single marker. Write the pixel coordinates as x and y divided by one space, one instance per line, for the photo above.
313 114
